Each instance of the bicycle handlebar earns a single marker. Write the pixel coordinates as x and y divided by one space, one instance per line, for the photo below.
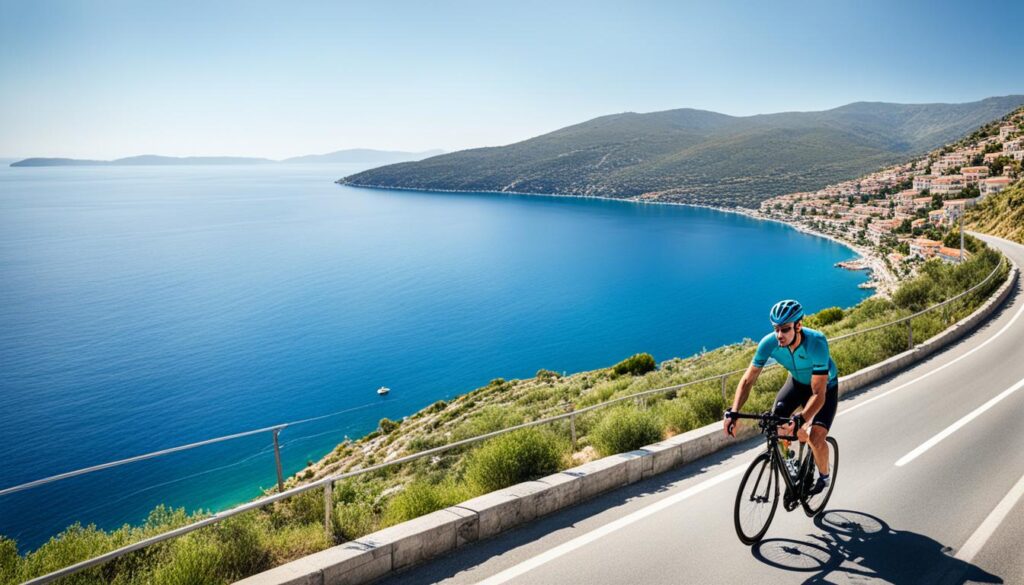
767 420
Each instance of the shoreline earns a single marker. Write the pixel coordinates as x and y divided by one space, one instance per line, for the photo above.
881 279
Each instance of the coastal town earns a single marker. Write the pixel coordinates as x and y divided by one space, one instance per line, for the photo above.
901 216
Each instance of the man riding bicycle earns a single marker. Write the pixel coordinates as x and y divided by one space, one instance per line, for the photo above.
813 382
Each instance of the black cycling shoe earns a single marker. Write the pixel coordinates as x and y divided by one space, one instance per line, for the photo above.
819 486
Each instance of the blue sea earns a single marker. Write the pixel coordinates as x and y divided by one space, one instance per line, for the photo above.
143 308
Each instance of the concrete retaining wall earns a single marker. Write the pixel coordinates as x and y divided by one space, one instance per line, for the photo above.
404 545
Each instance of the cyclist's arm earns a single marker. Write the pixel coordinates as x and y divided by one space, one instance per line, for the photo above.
743 388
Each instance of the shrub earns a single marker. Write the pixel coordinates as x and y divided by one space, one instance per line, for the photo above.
352 520
676 416
547 375
241 551
915 294
515 457
387 425
193 559
624 429
826 317
422 497
635 365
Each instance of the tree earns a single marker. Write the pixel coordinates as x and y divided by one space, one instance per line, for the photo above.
937 201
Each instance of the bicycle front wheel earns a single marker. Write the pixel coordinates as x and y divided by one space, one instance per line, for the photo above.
815 505
756 500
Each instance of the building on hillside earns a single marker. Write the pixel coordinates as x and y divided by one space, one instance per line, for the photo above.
905 197
879 229
1013 145
993 185
924 248
947 185
918 223
922 182
950 254
937 217
1006 130
955 208
974 174
992 156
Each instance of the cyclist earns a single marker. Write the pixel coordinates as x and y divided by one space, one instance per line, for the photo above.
813 382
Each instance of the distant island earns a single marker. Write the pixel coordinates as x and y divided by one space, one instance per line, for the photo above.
699 157
354 155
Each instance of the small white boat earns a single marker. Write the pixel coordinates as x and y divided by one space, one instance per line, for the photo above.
383 390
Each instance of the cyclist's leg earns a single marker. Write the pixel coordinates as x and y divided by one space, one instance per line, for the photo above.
791 396
822 424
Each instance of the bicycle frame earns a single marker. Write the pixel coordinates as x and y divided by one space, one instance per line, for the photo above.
770 427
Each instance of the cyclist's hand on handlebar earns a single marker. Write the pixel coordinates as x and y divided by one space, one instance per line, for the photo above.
729 423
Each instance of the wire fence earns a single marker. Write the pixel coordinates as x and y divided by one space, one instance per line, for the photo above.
327 483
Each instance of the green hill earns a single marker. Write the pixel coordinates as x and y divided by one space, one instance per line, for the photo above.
696 156
1000 215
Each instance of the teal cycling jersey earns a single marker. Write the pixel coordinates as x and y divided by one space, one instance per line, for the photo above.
809 358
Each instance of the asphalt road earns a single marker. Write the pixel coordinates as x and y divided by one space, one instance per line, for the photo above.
930 489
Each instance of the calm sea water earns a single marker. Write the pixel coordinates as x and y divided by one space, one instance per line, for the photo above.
144 308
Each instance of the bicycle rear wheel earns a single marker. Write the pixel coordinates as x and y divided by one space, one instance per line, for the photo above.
815 505
756 500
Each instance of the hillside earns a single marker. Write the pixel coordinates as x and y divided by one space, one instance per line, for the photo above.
1001 214
697 156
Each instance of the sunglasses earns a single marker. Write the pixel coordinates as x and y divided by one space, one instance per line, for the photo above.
783 328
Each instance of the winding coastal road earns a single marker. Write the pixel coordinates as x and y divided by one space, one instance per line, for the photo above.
930 490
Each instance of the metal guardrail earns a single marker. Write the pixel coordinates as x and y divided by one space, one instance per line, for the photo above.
327 483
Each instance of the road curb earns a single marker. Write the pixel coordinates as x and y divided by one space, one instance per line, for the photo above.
401 546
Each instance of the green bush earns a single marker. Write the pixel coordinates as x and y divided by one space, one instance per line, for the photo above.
915 294
635 365
515 457
194 560
241 550
676 416
9 559
825 317
422 497
352 520
625 429
387 425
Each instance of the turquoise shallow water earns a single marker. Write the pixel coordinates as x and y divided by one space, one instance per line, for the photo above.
143 308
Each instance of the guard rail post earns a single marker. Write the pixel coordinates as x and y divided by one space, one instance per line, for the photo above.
725 378
572 425
328 510
277 459
910 333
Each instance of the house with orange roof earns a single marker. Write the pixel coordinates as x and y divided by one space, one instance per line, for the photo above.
993 185
947 185
924 247
974 174
950 254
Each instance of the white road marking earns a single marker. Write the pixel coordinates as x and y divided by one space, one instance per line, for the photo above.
571 545
958 424
585 539
977 540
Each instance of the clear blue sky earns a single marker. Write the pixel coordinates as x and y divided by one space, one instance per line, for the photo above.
106 79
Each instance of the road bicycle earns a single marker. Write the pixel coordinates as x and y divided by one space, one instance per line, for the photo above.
758 495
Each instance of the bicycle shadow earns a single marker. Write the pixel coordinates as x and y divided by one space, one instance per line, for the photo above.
858 547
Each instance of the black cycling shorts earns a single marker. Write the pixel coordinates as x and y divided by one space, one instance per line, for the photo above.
795 394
